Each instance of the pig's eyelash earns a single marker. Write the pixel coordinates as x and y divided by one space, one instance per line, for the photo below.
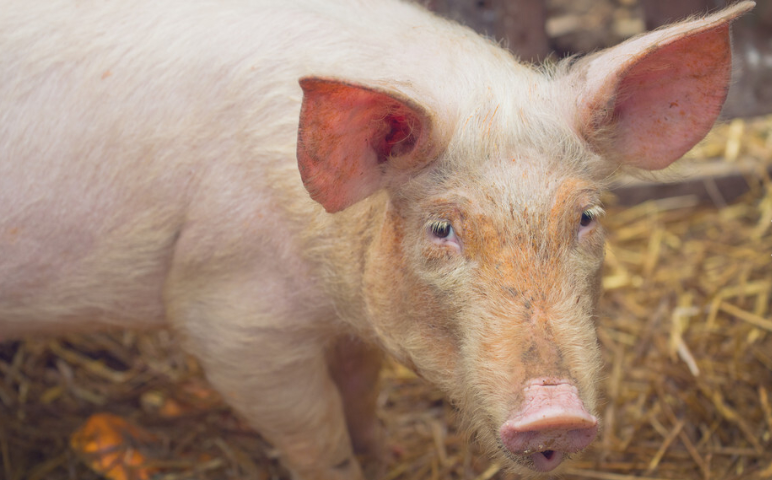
589 215
442 233
441 229
594 212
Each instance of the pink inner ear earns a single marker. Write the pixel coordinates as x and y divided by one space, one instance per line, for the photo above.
669 100
347 133
401 136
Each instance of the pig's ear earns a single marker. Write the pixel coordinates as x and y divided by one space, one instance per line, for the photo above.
354 140
647 101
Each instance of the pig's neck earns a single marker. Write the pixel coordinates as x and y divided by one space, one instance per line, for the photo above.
336 246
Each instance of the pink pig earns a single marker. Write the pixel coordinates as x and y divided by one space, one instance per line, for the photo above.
156 160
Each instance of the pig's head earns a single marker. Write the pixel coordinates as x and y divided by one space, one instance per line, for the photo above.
484 270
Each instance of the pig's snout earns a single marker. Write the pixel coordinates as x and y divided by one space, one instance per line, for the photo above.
551 422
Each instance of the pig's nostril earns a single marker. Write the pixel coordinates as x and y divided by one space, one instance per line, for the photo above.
548 454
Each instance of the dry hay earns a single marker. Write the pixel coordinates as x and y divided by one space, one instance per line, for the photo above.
686 332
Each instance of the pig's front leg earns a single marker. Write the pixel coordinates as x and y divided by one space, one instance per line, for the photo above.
275 375
293 403
355 366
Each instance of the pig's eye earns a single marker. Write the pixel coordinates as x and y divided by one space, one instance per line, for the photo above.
442 229
588 219
443 233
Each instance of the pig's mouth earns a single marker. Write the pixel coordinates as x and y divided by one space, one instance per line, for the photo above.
541 462
546 461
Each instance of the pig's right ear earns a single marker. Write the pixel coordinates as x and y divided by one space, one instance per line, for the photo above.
353 140
646 102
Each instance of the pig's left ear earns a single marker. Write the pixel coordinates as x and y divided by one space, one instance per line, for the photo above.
647 101
354 140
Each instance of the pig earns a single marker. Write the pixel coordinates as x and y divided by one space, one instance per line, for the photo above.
297 186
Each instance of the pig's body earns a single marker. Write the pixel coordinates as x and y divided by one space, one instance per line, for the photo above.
148 175
129 133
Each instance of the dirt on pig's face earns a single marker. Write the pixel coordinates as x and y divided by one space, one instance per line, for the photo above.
484 278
